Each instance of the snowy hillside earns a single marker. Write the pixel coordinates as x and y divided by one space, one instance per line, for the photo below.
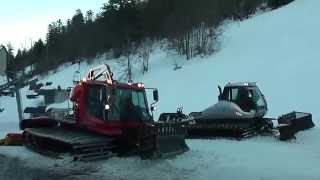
278 49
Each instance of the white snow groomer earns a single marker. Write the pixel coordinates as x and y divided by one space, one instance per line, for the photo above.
239 113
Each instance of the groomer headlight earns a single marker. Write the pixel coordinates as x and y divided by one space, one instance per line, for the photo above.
140 85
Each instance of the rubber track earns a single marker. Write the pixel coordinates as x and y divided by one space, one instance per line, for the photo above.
82 145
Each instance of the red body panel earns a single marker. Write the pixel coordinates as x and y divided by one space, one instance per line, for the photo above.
38 122
84 120
110 128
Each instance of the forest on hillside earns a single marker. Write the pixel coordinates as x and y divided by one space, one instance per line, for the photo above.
126 27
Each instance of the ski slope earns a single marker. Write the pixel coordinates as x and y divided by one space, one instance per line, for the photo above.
277 49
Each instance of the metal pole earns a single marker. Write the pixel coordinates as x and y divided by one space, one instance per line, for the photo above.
19 105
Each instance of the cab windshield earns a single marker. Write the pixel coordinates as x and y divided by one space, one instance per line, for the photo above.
130 104
257 97
247 98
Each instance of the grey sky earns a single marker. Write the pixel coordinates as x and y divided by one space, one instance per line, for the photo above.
24 21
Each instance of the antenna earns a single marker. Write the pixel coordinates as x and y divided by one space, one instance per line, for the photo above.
79 68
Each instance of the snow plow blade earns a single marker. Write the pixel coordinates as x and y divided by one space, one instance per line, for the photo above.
172 117
168 140
291 123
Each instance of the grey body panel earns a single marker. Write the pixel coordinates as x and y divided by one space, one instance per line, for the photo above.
226 110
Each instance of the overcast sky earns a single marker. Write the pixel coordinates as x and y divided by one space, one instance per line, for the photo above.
23 21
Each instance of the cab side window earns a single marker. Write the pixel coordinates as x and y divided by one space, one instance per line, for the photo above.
115 103
96 99
234 94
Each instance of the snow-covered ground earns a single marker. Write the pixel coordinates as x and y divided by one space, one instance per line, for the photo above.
278 49
261 158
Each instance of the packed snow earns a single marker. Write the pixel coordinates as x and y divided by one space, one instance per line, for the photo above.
277 49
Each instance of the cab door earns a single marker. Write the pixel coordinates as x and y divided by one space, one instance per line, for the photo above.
96 116
96 101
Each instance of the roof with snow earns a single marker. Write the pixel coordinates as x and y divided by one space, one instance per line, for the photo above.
239 84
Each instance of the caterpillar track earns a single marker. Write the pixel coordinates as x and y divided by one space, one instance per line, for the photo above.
82 146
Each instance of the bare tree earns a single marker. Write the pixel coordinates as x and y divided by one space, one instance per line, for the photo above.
144 52
200 40
130 50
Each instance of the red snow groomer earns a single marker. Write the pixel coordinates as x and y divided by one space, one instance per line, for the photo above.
109 118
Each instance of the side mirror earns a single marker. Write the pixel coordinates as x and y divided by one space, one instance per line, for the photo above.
155 95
